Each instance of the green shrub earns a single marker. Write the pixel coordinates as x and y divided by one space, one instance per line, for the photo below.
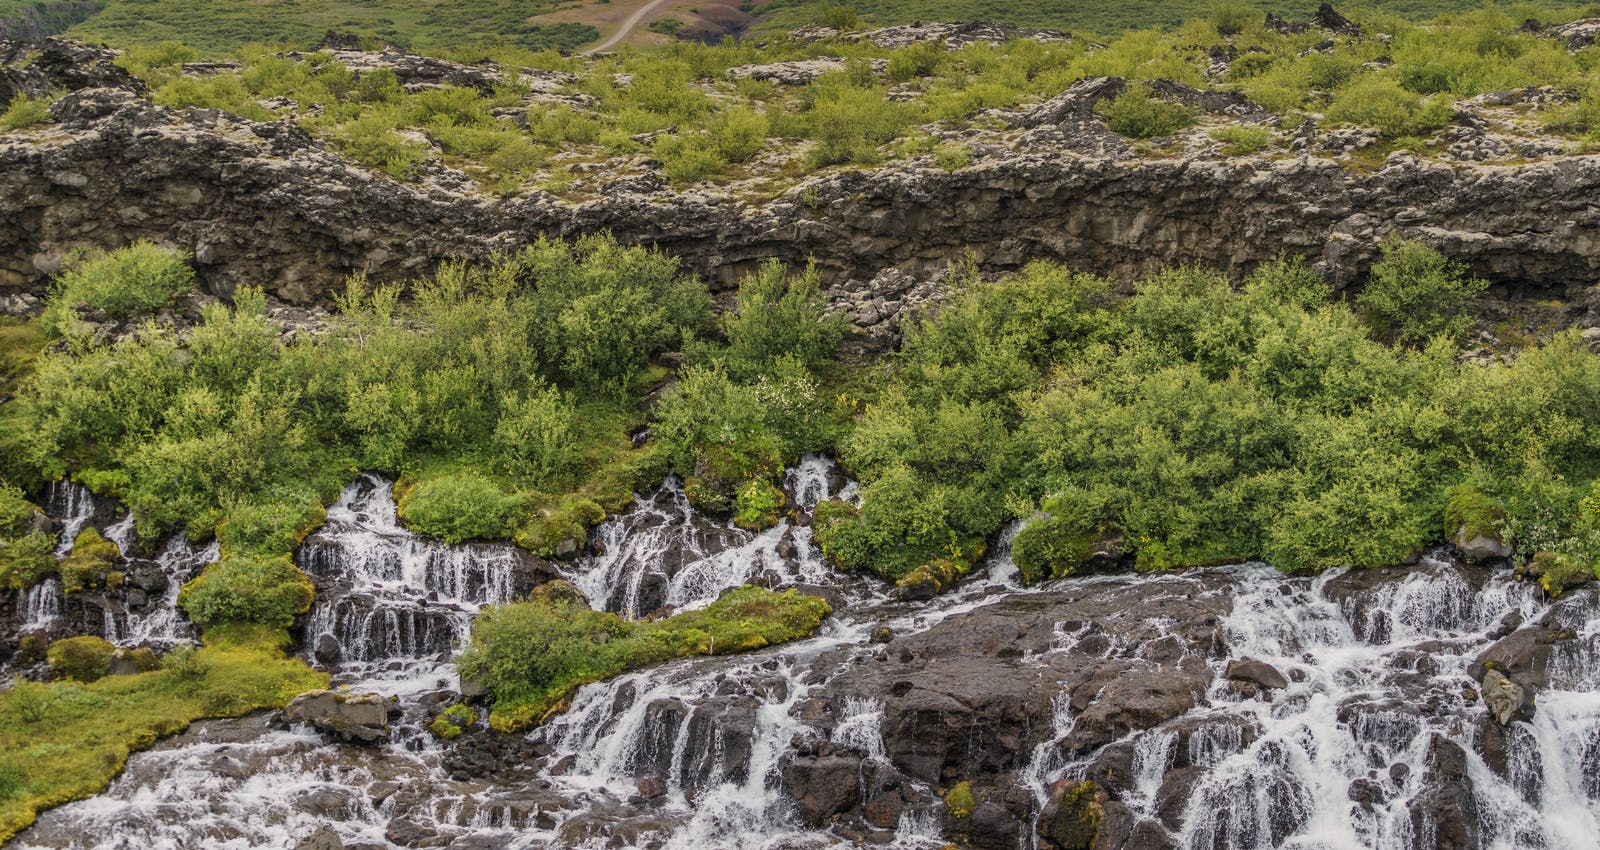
781 314
1415 293
1559 572
269 590
85 658
530 656
839 17
131 281
1288 280
26 560
952 157
739 133
959 800
25 112
756 506
460 507
689 157
536 437
1241 141
186 661
1138 114
267 528
1232 18
1056 541
1380 103
714 432
89 565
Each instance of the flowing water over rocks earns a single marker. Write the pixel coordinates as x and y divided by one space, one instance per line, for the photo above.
1231 708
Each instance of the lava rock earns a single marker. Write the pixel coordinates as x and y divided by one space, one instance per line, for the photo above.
1507 700
1258 673
361 718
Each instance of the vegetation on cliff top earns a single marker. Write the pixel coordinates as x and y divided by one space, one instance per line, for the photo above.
680 113
531 656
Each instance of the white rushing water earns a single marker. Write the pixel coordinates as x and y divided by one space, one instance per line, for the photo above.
691 754
409 601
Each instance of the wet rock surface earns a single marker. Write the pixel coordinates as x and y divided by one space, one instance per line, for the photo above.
1222 708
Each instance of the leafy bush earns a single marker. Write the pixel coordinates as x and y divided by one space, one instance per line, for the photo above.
781 315
1380 103
1232 18
130 281
85 658
536 437
1415 293
1055 541
756 506
1138 114
460 507
530 656
24 112
269 590
1239 140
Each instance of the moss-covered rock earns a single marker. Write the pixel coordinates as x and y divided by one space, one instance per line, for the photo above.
89 565
86 658
1476 523
453 721
932 578
1072 818
1557 572
531 656
132 662
558 526
959 800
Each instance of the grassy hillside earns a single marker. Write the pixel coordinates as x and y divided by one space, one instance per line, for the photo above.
224 25
1092 16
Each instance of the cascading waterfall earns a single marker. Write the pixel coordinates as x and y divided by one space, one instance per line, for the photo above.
41 605
399 605
663 553
74 505
691 754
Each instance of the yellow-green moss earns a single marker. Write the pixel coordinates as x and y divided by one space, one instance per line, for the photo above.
67 740
959 800
89 565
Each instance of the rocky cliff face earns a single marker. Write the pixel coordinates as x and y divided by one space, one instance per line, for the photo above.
264 203
45 19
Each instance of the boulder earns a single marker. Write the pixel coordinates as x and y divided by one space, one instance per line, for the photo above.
1507 700
1072 817
822 786
358 718
1258 673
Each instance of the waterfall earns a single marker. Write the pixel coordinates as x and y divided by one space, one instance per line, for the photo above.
41 605
663 553
695 753
74 505
396 606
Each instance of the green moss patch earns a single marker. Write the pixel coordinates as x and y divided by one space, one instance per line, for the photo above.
531 656
65 741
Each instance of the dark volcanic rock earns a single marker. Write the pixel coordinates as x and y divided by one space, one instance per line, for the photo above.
259 203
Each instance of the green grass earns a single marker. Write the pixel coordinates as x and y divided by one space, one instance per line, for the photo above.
1092 16
65 741
531 656
222 26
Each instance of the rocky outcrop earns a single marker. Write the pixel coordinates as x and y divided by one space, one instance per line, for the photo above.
355 718
263 203
953 35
